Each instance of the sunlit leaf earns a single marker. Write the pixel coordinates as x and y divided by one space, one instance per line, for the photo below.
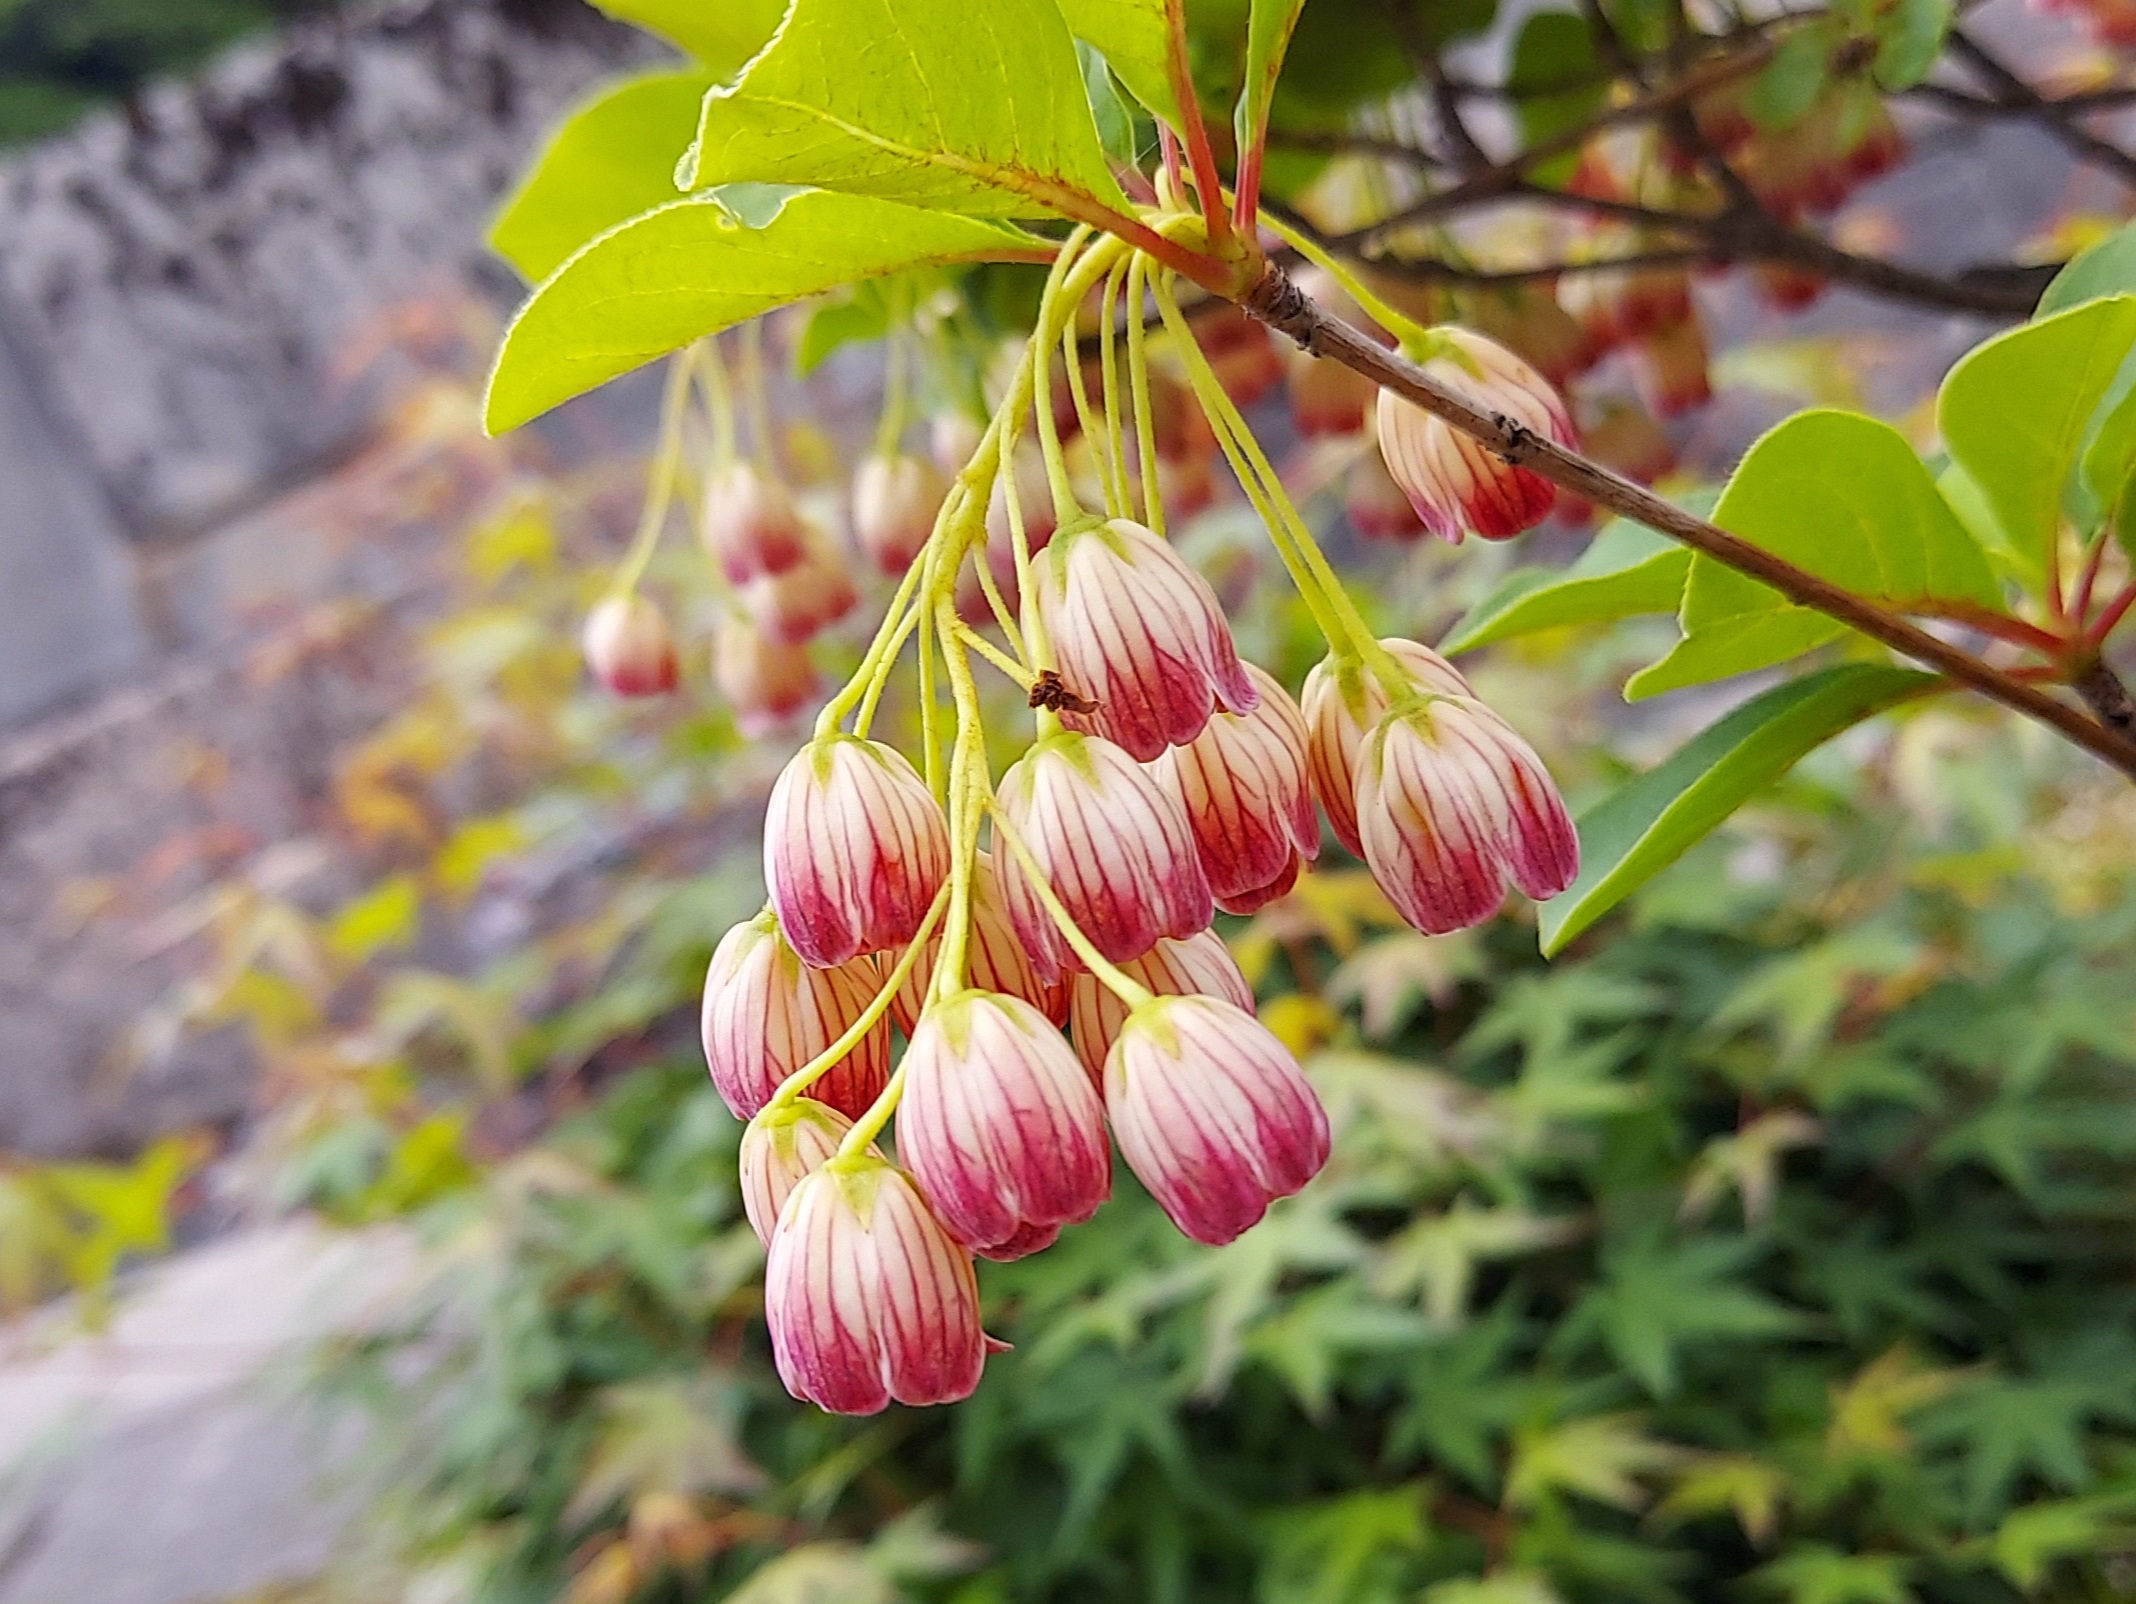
721 34
1628 570
1134 37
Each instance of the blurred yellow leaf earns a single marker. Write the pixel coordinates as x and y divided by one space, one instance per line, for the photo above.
1600 1457
1750 1489
1437 1257
522 536
1868 1412
1299 1022
466 856
388 915
1748 1163
668 1436
610 1577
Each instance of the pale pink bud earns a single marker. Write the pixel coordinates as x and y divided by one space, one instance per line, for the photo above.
952 441
1000 1125
867 1297
749 525
629 647
855 848
783 1145
794 605
1139 632
895 499
1785 288
765 681
1670 368
1212 1114
1340 705
1034 501
1457 484
1451 804
767 1014
1115 849
1200 965
995 959
1243 785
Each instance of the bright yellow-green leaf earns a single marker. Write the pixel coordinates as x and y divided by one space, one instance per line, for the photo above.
1627 571
1603 1457
721 34
387 915
696 266
609 159
1134 37
1843 497
1744 1486
977 109
1268 32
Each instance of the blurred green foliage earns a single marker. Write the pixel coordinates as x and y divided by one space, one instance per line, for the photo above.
58 58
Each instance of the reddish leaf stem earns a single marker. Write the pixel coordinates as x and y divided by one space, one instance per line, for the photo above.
1201 157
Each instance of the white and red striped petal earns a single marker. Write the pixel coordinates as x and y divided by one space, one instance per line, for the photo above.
782 1147
1212 1114
1341 703
995 959
798 602
765 681
867 1297
855 848
1200 965
1115 849
1000 1126
766 1014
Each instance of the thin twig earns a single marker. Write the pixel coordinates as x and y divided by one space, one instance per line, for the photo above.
2013 92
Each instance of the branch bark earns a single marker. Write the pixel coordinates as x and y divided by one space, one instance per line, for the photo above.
1280 304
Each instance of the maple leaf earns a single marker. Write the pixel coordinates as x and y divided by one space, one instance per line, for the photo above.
1602 1457
1437 1257
1748 1163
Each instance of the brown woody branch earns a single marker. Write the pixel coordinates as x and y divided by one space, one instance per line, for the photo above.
1280 304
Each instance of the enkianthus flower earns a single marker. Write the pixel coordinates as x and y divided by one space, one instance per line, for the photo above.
767 1014
855 848
1243 785
629 647
1000 1126
1026 467
796 604
1376 506
952 440
766 682
1670 368
895 499
749 525
1212 1114
782 1146
867 1297
1201 965
1114 847
1138 631
1458 484
1341 703
994 956
1451 804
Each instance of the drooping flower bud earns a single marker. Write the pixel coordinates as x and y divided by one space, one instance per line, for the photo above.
995 959
1451 804
867 1297
767 1014
629 647
1341 703
1000 1126
855 848
1670 368
1457 484
749 525
1200 965
895 499
1212 1114
1243 786
1026 468
765 681
794 605
952 440
781 1147
1376 506
1140 633
1115 849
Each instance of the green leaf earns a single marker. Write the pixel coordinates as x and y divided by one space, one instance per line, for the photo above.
1626 571
1843 497
721 34
1813 1573
2015 413
1554 48
976 109
1909 39
694 267
608 160
2031 1539
1134 37
1791 82
2106 268
1636 833
1114 121
1663 1298
1268 35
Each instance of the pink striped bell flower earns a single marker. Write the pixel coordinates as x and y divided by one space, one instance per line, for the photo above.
1458 484
895 499
1138 631
855 848
767 1014
1201 965
1000 1126
1451 804
783 1145
766 682
749 524
798 603
1341 702
868 1298
1114 847
994 958
629 647
1248 799
1212 1114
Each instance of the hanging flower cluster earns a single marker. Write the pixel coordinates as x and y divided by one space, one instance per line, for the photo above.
1042 939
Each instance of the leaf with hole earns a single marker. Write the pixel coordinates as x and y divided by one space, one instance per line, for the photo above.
1634 834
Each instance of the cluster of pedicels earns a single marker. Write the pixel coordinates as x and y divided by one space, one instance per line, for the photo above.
1042 940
